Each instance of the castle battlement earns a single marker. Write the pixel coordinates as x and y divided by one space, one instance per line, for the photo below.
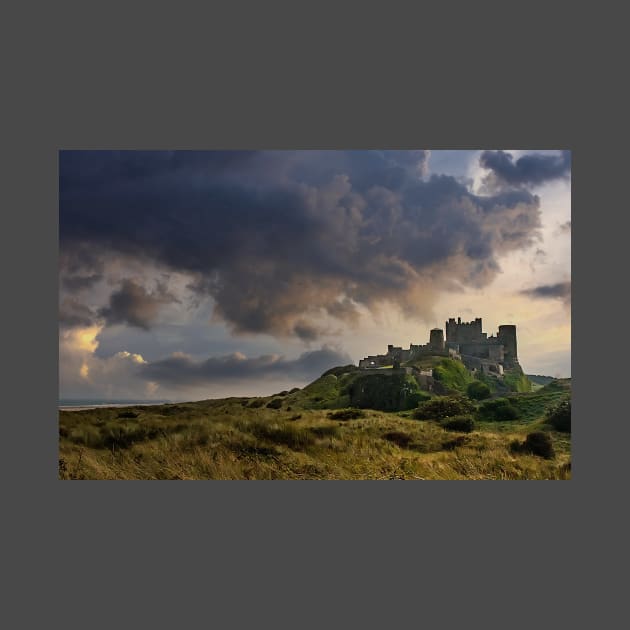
464 340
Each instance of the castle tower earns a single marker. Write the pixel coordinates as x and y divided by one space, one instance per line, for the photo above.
436 339
451 330
464 332
507 337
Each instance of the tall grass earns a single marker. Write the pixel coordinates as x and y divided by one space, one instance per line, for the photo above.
229 440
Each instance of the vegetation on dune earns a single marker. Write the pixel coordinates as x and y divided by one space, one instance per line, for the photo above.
537 443
317 433
478 390
465 424
452 374
327 392
347 414
539 379
537 404
497 410
395 392
560 416
341 370
442 407
516 380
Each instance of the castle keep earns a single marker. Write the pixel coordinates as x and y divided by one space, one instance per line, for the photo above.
465 341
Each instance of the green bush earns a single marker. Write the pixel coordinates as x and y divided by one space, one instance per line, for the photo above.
536 443
498 410
478 390
464 424
276 403
346 414
560 417
385 392
441 407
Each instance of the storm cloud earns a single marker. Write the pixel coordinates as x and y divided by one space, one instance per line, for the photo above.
182 370
73 313
279 239
530 169
561 290
132 304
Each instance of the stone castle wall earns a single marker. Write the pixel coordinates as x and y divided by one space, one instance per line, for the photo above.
462 338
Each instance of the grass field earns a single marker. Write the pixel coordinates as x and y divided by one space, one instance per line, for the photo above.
243 438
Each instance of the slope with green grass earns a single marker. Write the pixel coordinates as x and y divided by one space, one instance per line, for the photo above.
294 435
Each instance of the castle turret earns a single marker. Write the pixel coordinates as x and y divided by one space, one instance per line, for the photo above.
507 337
436 339
464 332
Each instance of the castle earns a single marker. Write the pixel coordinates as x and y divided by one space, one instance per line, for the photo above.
464 341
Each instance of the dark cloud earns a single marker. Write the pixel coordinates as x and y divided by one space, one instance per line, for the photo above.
74 314
183 371
528 170
278 238
565 228
561 290
80 268
132 304
305 331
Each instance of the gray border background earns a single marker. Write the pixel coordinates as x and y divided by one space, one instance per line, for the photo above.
310 555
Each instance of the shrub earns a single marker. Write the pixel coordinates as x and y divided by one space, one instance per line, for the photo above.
346 414
385 392
256 403
276 403
460 440
128 414
442 407
295 417
465 424
498 410
400 438
560 417
417 397
537 443
478 390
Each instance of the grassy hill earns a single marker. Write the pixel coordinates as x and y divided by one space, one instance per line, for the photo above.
539 379
309 434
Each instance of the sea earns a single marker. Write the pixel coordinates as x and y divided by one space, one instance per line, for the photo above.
94 403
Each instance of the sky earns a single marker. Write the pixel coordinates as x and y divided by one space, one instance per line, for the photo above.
187 275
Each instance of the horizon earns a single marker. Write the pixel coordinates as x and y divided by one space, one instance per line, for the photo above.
189 275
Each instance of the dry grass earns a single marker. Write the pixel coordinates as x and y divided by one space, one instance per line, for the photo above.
230 440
